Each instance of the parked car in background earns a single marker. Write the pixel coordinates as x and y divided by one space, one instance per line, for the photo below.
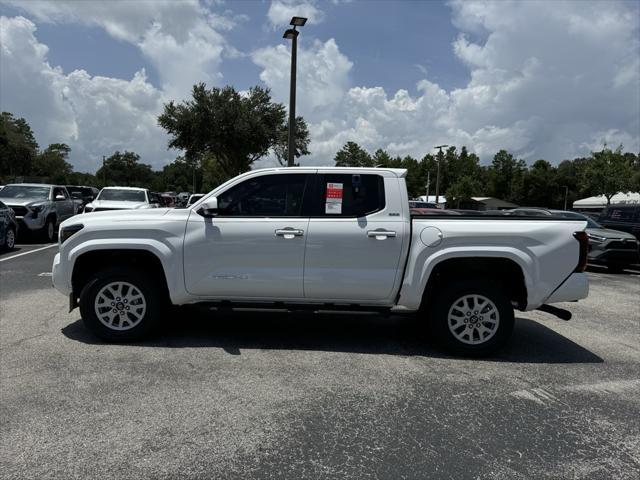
8 228
432 211
83 193
167 200
625 218
123 198
183 198
528 212
39 208
613 248
320 239
194 198
420 204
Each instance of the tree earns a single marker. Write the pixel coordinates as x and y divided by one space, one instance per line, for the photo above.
281 148
463 189
52 163
506 176
18 146
352 155
231 128
125 169
609 172
179 176
539 186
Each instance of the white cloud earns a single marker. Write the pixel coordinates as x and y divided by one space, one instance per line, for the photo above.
181 39
281 11
550 80
94 115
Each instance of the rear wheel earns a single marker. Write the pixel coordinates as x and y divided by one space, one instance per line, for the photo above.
472 317
121 304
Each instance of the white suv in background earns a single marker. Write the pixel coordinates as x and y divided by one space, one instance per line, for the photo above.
122 198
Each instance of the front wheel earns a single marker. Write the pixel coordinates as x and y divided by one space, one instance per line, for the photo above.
9 239
121 304
472 317
49 231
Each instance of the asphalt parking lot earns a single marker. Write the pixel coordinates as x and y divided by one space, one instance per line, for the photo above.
255 395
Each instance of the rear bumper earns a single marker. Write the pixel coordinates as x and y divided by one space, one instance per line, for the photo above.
574 288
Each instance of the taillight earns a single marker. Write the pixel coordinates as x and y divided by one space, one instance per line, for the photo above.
583 240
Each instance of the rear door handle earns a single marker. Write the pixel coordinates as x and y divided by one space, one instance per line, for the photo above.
289 232
380 234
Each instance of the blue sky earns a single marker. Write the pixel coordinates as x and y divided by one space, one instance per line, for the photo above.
543 79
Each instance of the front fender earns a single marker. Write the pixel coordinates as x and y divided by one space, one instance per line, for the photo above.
165 251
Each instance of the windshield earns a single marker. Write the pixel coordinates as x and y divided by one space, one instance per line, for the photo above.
122 195
25 191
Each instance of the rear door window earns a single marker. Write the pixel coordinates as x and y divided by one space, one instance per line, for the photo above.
348 195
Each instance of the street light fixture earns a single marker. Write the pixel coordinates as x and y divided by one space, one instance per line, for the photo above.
292 34
440 154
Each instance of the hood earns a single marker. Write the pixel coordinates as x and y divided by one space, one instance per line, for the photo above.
108 216
118 204
22 202
609 234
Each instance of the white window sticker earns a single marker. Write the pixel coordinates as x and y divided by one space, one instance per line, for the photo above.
333 200
333 208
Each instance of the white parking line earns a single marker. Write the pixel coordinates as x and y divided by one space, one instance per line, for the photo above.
27 253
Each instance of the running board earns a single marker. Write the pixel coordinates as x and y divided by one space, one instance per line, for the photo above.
313 307
561 313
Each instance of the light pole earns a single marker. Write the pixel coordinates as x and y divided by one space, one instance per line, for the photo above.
566 193
292 34
428 184
440 155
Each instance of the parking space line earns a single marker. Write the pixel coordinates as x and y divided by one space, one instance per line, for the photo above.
27 253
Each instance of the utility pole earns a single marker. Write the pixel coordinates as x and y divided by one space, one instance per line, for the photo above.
566 193
440 156
292 34
428 183
104 173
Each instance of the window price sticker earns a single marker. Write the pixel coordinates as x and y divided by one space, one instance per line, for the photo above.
333 201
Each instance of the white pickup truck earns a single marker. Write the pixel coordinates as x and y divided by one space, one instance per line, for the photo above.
321 239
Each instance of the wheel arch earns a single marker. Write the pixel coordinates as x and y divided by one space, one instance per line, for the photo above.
502 270
93 260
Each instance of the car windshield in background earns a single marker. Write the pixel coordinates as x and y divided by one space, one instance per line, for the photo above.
591 223
25 191
114 194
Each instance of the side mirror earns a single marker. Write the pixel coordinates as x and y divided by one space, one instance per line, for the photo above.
209 208
60 197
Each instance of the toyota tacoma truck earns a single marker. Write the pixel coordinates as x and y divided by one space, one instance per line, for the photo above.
338 239
39 208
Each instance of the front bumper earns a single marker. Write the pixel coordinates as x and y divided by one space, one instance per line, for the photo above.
30 223
574 288
60 280
616 256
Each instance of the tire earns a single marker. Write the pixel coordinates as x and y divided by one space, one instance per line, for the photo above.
478 303
132 301
48 233
9 239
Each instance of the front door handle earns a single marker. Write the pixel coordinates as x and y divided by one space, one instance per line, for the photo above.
380 234
289 232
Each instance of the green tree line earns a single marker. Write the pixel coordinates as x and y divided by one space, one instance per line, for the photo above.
541 184
222 132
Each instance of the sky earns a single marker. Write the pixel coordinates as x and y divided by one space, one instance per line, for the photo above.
542 79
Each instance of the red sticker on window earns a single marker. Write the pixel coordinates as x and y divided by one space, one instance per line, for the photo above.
334 191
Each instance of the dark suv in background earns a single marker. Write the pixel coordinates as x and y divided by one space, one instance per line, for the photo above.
625 218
